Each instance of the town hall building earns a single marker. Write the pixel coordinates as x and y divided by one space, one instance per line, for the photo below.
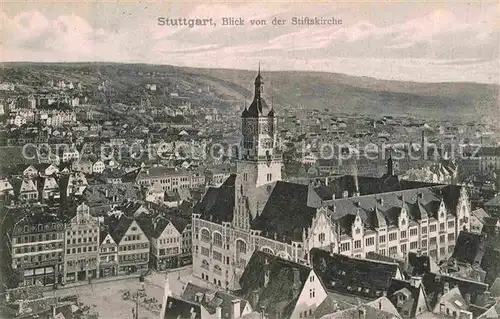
351 215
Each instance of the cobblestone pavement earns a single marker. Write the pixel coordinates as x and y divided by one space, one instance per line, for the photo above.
106 296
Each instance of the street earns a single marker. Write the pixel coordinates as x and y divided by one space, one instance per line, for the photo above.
106 297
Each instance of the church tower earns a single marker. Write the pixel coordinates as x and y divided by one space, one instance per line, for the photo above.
260 159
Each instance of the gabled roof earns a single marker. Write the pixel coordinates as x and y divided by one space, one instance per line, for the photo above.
344 274
419 265
218 202
410 305
286 280
121 228
434 286
287 212
178 308
469 248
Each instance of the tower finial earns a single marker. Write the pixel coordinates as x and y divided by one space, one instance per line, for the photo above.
259 67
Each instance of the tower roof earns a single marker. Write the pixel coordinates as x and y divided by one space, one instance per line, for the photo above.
258 107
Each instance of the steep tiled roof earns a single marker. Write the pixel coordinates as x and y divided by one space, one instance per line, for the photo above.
419 265
210 299
351 275
434 285
491 263
285 282
218 203
410 305
286 212
469 248
120 228
179 308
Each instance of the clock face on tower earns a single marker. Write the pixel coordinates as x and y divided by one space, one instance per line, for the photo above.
265 129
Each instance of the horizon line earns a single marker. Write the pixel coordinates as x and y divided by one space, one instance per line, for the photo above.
248 70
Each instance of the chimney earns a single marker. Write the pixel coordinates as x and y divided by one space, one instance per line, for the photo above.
362 312
326 182
467 298
262 312
235 309
446 288
416 281
53 311
390 168
255 298
218 313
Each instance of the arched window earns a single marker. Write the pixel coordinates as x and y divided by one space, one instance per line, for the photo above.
205 235
217 239
241 247
217 270
205 265
268 250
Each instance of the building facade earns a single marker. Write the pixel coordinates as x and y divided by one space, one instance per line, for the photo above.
133 247
81 261
351 215
108 256
36 247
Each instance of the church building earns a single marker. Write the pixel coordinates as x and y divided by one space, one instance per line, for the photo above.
351 215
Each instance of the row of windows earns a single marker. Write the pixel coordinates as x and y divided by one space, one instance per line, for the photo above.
82 232
170 240
132 237
168 251
133 257
42 257
217 237
80 240
33 249
106 249
82 262
35 238
81 250
134 247
413 244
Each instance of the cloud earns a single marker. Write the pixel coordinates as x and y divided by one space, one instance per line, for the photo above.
440 34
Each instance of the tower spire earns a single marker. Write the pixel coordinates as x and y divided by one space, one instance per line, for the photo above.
259 67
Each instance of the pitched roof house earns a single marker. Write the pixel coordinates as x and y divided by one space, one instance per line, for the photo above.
281 288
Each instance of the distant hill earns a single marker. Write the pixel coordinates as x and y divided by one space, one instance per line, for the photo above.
288 89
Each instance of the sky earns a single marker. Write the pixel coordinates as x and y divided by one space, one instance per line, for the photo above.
412 41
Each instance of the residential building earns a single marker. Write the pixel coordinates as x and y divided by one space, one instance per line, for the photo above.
36 245
353 276
408 297
166 239
81 261
133 246
231 306
170 179
284 289
108 255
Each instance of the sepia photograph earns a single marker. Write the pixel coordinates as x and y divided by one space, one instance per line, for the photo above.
249 159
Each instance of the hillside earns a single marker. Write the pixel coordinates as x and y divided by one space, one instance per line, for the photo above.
289 89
